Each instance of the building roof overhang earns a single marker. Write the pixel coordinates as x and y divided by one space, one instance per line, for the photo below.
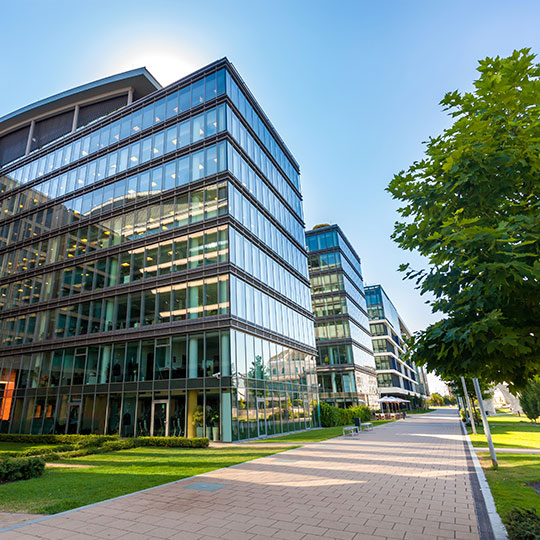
140 80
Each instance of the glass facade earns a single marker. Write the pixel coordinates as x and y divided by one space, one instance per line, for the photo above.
153 268
345 364
396 376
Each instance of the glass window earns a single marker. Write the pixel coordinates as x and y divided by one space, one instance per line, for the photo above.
185 98
197 93
195 299
149 308
197 132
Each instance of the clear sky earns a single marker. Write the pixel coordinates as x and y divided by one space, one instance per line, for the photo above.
353 87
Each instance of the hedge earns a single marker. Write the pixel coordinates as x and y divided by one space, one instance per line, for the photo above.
172 442
82 440
20 468
333 416
43 450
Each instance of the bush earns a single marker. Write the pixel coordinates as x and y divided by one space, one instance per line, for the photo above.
523 524
362 412
124 444
81 440
44 450
329 415
530 400
55 456
22 468
172 442
333 416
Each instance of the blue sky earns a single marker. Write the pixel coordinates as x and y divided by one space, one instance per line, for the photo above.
353 87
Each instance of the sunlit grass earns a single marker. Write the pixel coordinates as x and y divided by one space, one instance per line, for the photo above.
508 431
116 473
508 482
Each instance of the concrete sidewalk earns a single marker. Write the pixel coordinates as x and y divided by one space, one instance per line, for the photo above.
404 480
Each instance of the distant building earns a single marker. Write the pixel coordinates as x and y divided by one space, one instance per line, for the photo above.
345 365
396 376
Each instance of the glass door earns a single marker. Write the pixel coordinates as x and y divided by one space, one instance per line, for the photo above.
74 418
160 418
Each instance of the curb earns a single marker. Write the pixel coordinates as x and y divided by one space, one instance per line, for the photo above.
497 526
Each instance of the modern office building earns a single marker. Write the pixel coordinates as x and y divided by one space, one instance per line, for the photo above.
153 273
396 376
345 364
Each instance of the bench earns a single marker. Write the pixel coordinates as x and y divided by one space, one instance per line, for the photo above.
368 426
350 431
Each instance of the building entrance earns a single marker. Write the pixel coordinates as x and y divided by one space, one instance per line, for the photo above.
160 418
73 418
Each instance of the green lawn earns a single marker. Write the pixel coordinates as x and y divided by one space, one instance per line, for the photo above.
116 473
508 482
508 431
314 435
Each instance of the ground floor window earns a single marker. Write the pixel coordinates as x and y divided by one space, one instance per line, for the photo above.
246 410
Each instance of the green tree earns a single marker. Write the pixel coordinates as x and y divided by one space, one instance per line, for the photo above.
436 400
530 400
472 207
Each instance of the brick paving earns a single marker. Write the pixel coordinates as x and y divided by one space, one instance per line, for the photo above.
8 519
405 480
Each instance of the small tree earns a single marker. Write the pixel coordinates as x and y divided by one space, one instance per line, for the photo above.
436 400
530 400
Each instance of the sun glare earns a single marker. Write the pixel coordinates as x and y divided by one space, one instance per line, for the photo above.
166 66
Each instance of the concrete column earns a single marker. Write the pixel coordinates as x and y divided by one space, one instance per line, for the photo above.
105 362
226 417
191 406
225 355
192 358
113 271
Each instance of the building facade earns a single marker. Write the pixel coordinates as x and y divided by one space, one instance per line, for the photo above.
396 376
153 273
345 363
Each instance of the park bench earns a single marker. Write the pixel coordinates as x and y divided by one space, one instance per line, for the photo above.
368 426
352 430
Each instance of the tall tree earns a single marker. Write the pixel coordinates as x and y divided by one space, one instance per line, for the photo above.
472 207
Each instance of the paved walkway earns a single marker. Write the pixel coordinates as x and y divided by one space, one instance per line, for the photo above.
403 480
8 519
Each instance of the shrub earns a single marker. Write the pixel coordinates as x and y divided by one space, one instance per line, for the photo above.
44 450
82 440
124 444
172 442
530 400
21 468
362 412
329 415
523 524
333 416
55 456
